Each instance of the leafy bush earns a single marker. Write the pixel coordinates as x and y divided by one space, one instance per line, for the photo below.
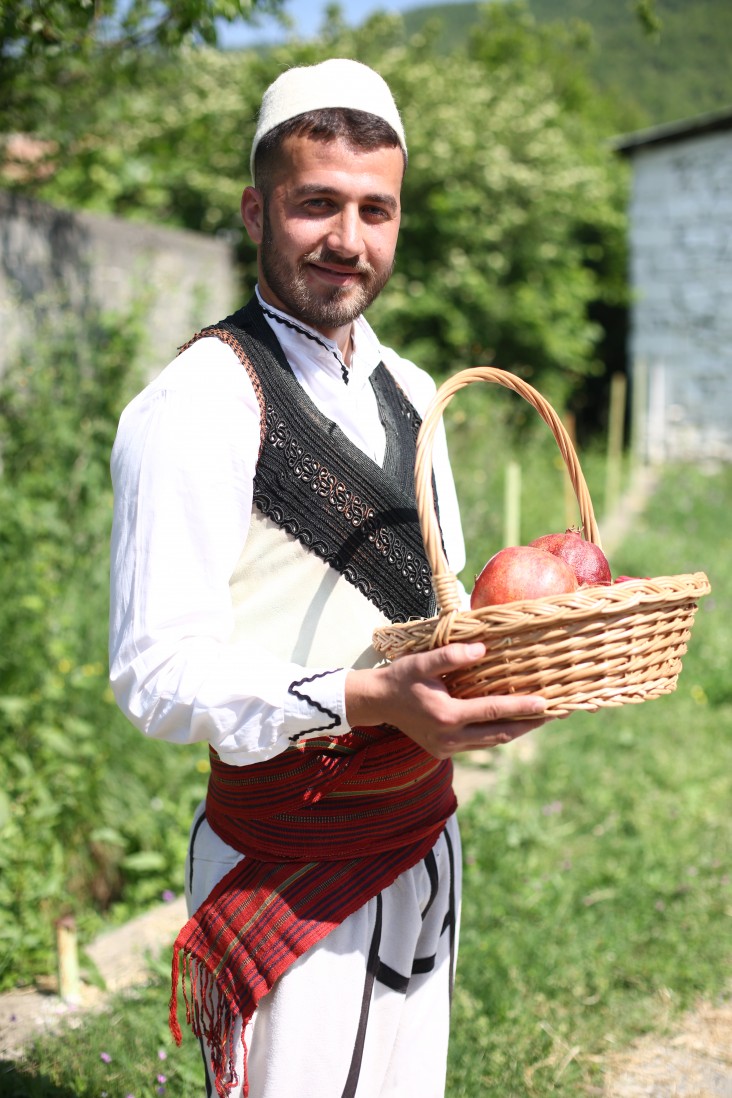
85 819
512 247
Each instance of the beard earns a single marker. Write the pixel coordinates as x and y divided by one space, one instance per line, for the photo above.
328 307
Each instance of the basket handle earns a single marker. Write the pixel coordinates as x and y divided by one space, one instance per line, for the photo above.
443 580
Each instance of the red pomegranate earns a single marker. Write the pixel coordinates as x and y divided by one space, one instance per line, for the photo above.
587 560
521 572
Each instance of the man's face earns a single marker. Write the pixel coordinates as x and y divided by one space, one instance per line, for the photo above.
327 230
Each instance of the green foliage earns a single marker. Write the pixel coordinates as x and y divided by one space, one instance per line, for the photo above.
79 801
47 43
657 60
125 1051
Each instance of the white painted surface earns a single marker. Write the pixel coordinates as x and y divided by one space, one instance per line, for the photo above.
681 275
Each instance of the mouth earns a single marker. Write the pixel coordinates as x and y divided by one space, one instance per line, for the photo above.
344 277
337 272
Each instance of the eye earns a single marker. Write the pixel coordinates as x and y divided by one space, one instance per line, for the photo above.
376 213
317 205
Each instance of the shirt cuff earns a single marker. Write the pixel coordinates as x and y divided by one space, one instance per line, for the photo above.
316 705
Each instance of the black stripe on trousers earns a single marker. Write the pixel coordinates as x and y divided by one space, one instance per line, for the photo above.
377 970
209 1084
372 966
192 842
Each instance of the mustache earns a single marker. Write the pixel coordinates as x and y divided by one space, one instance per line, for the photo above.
326 257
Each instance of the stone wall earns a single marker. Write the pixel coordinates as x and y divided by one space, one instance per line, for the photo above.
681 273
52 258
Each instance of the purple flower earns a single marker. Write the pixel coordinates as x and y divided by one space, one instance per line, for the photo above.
552 809
105 1057
162 1054
162 1079
168 896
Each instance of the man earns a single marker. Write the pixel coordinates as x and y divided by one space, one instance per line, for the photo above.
264 525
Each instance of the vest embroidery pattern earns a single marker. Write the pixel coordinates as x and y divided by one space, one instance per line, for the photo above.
317 486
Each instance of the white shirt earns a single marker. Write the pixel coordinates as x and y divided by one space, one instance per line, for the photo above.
183 467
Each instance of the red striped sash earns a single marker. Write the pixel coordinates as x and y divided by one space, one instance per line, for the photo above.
325 827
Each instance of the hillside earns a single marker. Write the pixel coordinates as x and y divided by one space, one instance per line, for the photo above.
681 71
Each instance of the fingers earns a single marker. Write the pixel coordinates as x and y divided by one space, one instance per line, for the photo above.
496 735
478 737
438 661
420 680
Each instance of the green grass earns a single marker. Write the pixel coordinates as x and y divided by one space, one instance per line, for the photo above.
597 877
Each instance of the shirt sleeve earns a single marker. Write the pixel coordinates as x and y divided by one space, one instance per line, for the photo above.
182 472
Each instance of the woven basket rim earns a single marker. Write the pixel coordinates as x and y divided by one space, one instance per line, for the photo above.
591 602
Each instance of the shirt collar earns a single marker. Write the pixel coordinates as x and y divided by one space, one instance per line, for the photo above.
306 346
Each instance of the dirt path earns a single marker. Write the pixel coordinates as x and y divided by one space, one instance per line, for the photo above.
121 958
693 1061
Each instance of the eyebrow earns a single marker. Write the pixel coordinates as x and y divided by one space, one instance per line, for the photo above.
384 199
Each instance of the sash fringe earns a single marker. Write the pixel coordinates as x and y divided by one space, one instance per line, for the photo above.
211 1017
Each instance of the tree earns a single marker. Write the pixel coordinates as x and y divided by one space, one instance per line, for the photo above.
45 43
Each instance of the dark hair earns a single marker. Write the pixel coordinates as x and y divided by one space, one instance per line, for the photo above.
359 129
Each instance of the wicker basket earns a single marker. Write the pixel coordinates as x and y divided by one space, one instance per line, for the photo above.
600 646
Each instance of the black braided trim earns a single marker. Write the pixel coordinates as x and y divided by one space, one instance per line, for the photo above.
335 721
308 335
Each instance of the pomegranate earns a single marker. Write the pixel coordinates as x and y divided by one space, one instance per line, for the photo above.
521 572
587 560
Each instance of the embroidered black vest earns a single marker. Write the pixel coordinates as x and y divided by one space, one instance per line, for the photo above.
316 485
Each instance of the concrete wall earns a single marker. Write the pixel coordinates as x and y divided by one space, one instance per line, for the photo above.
52 256
681 273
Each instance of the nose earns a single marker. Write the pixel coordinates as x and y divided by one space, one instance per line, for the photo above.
345 234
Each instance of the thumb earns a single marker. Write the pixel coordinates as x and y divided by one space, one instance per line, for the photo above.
448 658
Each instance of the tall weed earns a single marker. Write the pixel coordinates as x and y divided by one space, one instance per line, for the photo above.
84 825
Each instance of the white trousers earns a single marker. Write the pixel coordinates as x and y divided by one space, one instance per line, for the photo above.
365 1013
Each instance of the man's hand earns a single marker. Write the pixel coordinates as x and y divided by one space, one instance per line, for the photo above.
410 694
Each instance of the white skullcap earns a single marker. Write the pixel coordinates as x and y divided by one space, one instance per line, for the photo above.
338 82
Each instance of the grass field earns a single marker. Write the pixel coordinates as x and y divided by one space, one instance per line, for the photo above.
598 893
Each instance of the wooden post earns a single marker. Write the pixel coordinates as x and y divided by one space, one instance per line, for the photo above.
639 412
512 505
69 980
615 434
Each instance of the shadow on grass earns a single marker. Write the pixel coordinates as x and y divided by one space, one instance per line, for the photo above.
19 1080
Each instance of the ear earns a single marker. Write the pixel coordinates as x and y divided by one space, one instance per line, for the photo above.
252 213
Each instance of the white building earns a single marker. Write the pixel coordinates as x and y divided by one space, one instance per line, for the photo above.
681 278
